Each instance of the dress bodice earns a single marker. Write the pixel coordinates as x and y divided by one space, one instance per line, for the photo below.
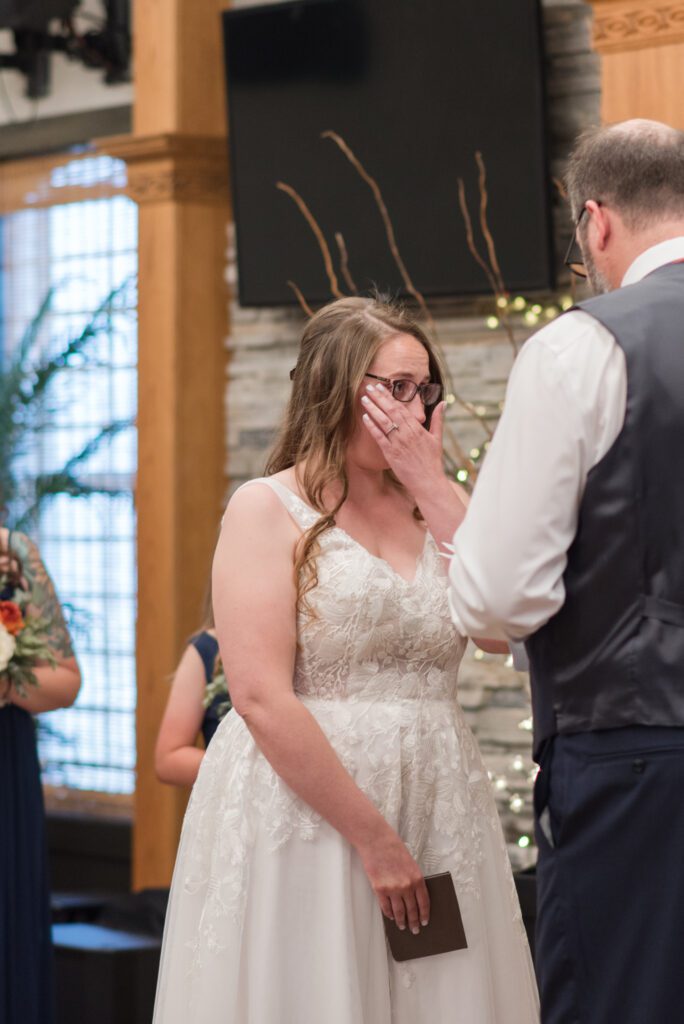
373 634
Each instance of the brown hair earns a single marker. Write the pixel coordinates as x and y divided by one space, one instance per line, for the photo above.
338 345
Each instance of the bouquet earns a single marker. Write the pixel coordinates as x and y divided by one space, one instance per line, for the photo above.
23 639
218 687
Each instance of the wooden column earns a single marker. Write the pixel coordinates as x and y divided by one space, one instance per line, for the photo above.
642 47
178 174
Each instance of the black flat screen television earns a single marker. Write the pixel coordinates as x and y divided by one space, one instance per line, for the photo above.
415 88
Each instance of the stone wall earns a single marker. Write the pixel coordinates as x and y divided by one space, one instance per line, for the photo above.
263 345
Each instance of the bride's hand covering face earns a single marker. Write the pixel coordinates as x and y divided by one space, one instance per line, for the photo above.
408 433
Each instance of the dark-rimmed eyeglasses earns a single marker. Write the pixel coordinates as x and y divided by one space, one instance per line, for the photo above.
406 390
574 259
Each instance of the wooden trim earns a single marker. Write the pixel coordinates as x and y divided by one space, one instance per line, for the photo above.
182 168
621 25
641 43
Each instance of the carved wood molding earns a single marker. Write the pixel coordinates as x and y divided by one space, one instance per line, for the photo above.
636 24
172 167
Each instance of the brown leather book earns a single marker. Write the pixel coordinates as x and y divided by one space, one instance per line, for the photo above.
444 931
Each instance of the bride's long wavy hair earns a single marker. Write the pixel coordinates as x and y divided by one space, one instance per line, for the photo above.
338 346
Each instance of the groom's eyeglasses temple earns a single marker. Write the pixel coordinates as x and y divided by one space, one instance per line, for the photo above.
574 260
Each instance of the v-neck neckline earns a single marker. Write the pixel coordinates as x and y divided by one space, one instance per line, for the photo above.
362 547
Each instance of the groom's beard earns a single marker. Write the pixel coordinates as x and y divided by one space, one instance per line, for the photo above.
599 284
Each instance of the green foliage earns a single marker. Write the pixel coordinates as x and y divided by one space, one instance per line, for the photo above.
25 382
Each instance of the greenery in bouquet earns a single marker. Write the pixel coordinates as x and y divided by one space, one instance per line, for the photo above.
23 639
218 687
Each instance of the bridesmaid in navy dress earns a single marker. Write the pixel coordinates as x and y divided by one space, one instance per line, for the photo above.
198 701
26 978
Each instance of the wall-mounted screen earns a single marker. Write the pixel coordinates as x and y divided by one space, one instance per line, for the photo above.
415 88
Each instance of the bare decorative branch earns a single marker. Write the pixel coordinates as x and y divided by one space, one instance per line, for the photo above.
560 188
491 269
344 263
389 229
320 237
484 225
300 298
470 240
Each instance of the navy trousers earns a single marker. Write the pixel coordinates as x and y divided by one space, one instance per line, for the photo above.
610 877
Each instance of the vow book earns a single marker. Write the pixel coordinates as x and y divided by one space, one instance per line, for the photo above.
444 931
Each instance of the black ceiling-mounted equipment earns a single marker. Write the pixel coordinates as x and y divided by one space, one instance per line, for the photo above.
108 48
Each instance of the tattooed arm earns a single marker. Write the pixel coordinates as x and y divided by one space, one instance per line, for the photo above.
58 686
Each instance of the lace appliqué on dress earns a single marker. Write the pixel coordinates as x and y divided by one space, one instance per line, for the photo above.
377 667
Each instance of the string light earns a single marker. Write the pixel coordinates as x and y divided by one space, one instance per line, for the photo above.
492 322
462 476
524 842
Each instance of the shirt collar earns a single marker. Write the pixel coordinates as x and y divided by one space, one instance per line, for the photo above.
657 256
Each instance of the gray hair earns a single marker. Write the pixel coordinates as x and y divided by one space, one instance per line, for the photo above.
637 167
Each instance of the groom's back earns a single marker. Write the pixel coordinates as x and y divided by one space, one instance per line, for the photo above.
614 654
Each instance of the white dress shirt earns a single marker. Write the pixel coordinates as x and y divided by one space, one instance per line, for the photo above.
565 406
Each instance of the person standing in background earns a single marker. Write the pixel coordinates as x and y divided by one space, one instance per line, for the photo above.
26 974
198 701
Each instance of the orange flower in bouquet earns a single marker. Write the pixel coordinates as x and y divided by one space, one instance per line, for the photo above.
23 639
11 617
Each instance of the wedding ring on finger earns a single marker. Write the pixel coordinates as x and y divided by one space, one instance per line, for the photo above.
395 426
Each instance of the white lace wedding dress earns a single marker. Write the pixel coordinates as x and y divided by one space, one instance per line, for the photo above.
271 918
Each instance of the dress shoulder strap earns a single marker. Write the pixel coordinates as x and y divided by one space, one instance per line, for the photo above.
303 515
207 647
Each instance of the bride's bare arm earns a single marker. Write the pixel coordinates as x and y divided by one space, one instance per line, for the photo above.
254 598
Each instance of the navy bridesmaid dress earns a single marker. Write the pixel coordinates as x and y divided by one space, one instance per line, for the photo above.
26 969
207 647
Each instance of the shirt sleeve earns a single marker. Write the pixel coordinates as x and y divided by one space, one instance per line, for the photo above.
564 407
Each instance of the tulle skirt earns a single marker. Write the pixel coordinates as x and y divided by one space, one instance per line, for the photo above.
272 919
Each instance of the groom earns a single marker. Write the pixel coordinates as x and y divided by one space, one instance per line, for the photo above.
574 540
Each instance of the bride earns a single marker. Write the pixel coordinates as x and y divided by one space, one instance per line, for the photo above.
345 771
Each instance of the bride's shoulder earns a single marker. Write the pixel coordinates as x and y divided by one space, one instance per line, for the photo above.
260 505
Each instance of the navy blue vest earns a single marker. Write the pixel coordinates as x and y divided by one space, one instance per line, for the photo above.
613 656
